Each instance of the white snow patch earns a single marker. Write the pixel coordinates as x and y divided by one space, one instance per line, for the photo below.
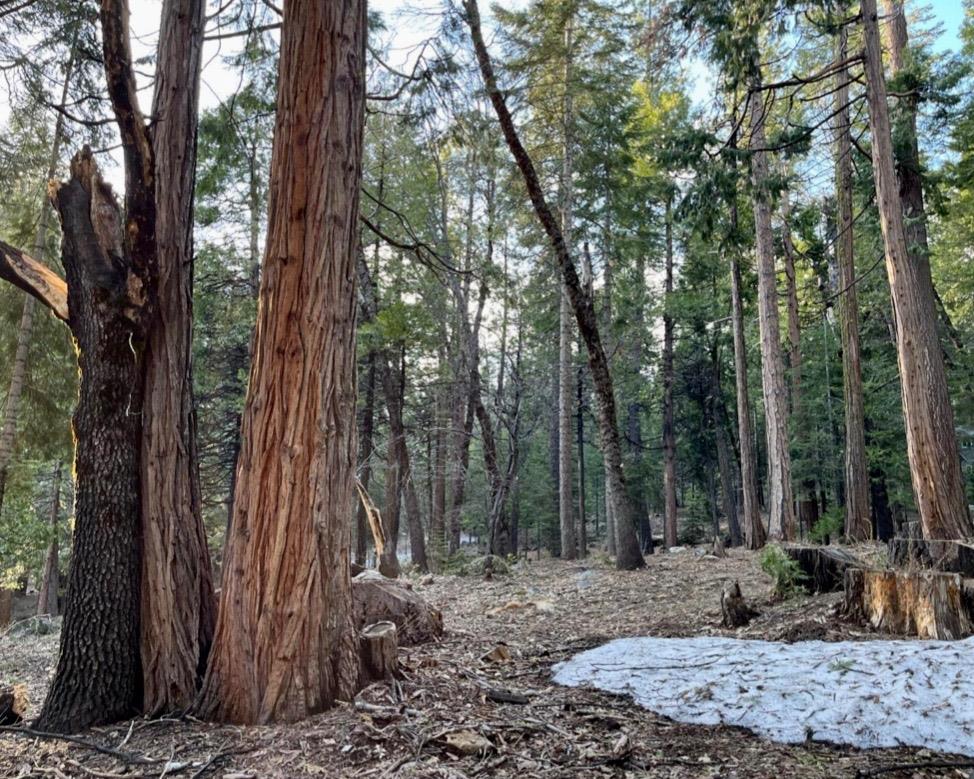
863 693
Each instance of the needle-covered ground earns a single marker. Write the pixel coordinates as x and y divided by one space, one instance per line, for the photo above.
482 701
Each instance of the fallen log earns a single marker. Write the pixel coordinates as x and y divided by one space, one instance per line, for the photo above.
376 598
927 604
938 555
736 612
379 652
823 566
13 704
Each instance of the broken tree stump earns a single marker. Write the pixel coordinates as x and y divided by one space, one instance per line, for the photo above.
6 606
947 556
379 652
927 604
13 704
824 566
376 598
733 606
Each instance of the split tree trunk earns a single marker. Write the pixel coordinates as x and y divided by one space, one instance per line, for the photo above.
178 608
628 554
781 512
938 484
285 644
99 677
858 526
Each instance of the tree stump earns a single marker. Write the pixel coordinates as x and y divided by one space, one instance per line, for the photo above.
6 606
927 604
13 704
948 556
718 549
376 599
733 606
823 566
379 652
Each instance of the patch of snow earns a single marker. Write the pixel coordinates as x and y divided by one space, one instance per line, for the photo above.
863 693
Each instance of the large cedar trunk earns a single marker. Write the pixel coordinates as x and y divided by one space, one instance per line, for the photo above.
858 526
285 643
177 588
628 554
99 676
781 513
931 440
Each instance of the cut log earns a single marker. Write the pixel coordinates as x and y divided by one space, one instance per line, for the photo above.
937 555
733 606
379 652
928 604
823 566
13 704
376 598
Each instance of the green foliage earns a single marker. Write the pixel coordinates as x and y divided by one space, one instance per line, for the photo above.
785 573
829 526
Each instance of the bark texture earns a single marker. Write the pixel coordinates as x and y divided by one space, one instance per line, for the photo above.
285 643
781 512
99 677
178 608
938 484
858 524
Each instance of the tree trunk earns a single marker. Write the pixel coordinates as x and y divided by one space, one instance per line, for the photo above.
580 434
858 526
99 676
669 433
726 462
628 554
566 518
781 512
285 644
938 484
47 602
754 534
365 458
392 502
177 588
437 539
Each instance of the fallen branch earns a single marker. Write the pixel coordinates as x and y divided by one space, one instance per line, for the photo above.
127 757
863 773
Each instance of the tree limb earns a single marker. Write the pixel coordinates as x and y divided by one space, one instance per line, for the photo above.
34 278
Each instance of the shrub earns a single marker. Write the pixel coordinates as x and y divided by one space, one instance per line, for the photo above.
784 572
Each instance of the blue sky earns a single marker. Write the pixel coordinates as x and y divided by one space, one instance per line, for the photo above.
950 13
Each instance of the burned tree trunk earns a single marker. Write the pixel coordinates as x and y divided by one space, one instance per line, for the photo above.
285 643
99 675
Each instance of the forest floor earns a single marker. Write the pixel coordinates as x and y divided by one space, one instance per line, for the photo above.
444 719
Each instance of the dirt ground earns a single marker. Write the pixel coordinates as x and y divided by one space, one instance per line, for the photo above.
453 713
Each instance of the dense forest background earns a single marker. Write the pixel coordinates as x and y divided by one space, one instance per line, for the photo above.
472 380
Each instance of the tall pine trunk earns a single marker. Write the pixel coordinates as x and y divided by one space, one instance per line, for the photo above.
628 554
781 512
47 598
931 440
858 525
285 644
669 432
